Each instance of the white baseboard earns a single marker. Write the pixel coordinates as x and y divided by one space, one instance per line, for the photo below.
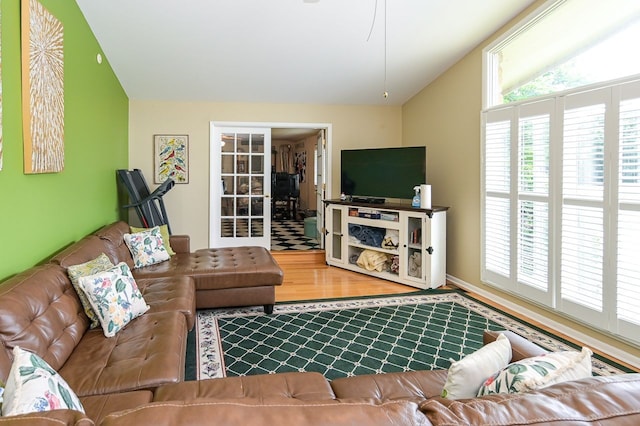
589 341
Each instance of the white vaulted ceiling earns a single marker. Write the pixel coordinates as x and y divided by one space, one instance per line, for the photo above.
288 51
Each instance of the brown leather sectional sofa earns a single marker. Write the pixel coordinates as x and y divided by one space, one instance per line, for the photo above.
136 376
223 277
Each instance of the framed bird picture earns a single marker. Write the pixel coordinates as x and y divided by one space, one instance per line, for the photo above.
171 158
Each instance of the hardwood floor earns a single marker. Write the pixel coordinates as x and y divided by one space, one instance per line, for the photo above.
308 277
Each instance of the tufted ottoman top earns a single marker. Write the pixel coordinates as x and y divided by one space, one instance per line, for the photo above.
218 268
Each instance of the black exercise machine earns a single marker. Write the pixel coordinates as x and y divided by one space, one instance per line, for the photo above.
148 205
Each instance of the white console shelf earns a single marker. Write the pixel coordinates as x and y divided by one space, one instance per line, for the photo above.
394 242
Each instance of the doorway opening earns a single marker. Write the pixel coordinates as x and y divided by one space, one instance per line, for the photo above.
297 187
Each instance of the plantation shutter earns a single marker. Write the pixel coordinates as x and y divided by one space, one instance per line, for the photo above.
534 126
628 236
517 199
497 204
583 183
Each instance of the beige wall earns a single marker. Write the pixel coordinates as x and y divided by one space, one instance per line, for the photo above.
188 204
445 116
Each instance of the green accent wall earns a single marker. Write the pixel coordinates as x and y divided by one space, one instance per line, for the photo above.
40 214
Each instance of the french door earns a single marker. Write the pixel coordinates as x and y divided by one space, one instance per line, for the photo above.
240 206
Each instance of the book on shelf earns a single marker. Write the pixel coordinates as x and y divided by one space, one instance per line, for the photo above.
416 236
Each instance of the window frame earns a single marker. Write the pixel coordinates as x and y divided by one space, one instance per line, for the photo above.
627 14
489 63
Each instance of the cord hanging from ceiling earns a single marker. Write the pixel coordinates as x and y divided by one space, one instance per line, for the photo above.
385 93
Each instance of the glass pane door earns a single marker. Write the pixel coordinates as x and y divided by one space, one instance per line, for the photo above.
240 210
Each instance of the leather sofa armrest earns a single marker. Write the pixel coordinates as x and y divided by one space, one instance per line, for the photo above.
413 386
605 400
521 348
48 418
180 243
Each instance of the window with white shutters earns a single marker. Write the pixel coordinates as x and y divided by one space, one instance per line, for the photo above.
561 190
561 162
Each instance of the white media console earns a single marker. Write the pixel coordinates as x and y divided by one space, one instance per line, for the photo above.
395 242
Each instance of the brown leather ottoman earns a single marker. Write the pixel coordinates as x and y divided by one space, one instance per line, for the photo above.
228 276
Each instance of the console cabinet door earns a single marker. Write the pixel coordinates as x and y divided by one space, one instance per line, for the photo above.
416 242
437 224
336 234
424 249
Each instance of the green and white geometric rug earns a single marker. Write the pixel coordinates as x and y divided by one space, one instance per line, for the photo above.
347 337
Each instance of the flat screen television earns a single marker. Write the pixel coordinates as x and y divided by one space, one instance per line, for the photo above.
382 173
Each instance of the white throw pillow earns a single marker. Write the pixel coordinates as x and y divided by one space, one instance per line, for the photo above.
539 372
34 386
147 247
467 375
115 297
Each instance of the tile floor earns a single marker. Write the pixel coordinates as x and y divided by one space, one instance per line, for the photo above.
289 235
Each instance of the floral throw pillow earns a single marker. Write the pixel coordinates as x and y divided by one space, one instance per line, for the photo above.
115 297
539 372
164 231
99 264
146 247
34 386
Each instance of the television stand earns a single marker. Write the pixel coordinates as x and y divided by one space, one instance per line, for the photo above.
394 242
368 200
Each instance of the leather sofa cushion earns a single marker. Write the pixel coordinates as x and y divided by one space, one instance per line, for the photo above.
294 386
170 294
41 312
84 250
148 352
400 413
113 238
413 386
218 268
96 407
607 400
